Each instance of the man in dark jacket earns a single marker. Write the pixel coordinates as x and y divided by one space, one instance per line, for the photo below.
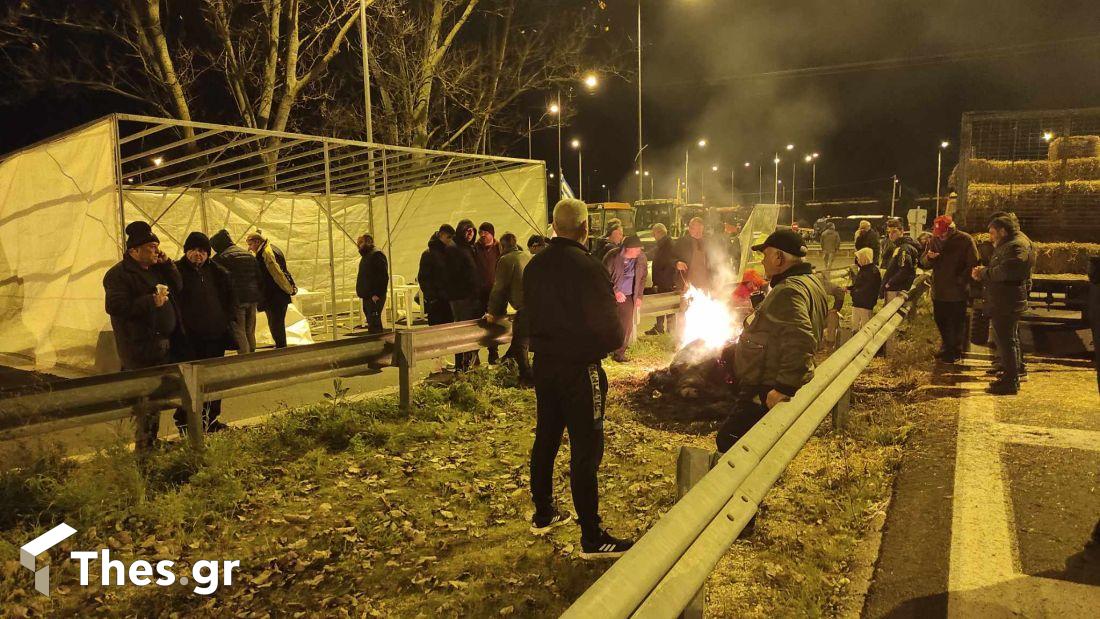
693 257
140 296
574 325
774 354
508 290
432 277
628 268
952 255
901 262
276 285
866 236
665 277
609 241
462 284
244 276
1006 282
371 282
487 253
206 305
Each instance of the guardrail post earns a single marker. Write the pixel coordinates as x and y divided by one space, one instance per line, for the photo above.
405 359
841 409
192 403
691 465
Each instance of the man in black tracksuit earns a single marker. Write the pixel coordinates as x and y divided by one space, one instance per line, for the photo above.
573 326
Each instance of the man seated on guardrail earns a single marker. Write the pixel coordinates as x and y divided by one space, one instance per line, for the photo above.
508 290
244 275
951 255
206 305
371 282
830 244
1007 281
140 298
574 325
628 268
773 357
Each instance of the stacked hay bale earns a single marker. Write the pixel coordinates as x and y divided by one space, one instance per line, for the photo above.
1057 258
1057 199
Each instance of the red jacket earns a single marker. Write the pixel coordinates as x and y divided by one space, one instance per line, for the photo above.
487 257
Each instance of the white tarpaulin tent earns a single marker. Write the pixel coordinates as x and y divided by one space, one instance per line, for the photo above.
65 202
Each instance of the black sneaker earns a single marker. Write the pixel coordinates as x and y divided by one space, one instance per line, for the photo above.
215 426
542 525
654 331
604 547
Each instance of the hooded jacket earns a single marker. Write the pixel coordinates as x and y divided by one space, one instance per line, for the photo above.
373 276
462 278
901 265
866 286
570 305
432 275
244 272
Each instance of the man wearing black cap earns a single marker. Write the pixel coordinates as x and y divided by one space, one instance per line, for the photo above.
206 305
628 267
140 298
774 355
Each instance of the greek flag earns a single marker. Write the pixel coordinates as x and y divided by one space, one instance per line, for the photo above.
566 190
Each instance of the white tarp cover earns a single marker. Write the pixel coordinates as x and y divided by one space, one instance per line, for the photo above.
59 233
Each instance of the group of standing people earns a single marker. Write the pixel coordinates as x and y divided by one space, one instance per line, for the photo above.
164 311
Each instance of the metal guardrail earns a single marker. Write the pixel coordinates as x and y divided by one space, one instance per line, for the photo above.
661 574
73 403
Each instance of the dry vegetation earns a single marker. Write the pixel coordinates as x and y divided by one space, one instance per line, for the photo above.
350 507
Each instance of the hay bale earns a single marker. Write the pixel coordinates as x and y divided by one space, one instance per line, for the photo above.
1031 172
1057 258
1074 146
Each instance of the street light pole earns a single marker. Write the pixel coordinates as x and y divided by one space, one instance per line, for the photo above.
686 153
939 173
640 164
775 197
893 192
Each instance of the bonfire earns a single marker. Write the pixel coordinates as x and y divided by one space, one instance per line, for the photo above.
707 329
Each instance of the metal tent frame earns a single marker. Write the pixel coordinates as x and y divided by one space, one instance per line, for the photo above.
177 157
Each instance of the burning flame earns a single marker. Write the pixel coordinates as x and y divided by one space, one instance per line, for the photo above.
708 319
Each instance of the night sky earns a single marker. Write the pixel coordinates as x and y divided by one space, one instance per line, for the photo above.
866 125
702 66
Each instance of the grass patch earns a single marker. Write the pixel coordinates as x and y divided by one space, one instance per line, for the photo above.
353 506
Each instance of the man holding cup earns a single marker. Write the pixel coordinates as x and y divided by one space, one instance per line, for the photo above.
139 297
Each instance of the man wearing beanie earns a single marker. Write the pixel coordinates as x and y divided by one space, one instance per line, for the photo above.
628 267
1006 281
206 305
486 254
244 277
140 296
276 285
773 357
951 254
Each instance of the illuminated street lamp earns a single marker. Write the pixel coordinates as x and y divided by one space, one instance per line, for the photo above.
591 81
1048 136
775 198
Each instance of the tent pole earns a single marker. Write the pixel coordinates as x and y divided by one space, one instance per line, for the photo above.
202 212
389 241
118 180
331 252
